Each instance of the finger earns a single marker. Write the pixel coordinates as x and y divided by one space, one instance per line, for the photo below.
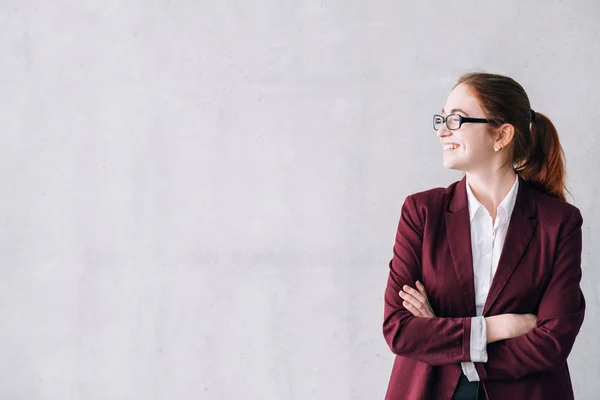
413 301
428 313
415 293
421 289
412 309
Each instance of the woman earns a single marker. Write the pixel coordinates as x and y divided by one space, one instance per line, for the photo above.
483 297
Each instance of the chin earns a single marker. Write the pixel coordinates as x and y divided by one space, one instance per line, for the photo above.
451 164
448 164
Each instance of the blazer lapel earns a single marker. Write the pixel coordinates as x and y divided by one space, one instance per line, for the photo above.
458 233
520 230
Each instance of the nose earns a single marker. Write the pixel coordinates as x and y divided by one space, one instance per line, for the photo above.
443 131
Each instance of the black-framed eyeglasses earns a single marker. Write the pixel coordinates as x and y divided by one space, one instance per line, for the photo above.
455 121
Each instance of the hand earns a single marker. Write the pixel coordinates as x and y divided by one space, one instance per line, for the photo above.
508 326
520 324
416 301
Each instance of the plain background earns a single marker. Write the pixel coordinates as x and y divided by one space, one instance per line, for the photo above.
199 198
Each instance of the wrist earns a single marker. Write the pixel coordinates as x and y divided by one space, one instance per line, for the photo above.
496 328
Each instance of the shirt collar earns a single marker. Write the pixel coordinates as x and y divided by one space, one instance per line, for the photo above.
505 208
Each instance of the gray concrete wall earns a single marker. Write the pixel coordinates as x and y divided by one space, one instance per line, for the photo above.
199 198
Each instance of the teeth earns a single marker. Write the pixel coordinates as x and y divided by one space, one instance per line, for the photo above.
450 146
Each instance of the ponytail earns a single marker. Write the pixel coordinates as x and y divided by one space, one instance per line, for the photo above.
544 167
536 152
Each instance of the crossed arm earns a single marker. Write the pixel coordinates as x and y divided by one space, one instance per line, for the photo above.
515 348
499 327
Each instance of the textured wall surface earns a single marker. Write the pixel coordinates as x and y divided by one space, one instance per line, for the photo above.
199 198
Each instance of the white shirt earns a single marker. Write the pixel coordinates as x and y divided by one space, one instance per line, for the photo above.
487 241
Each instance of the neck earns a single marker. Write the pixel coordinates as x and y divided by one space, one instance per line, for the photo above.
491 189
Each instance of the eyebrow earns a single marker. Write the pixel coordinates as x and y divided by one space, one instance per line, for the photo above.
456 110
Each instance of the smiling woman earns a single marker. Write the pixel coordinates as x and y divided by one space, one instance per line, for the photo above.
483 297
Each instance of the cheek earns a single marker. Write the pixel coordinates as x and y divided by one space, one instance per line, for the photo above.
477 145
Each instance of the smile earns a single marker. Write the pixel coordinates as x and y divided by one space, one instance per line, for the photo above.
451 146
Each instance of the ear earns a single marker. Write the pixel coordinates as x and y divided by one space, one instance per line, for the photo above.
504 135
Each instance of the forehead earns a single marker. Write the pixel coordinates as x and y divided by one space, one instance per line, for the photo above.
462 97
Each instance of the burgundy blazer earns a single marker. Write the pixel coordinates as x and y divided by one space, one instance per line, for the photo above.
539 272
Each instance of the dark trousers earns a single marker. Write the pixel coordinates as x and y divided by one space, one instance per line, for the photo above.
468 390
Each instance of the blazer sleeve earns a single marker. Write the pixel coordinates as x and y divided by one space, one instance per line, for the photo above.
435 341
546 347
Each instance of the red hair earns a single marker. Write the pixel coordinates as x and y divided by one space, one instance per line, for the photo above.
535 150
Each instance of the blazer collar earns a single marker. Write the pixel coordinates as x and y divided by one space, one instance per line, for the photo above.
458 232
524 198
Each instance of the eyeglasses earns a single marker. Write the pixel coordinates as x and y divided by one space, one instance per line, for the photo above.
455 121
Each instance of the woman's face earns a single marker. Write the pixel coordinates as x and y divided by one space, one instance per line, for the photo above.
471 147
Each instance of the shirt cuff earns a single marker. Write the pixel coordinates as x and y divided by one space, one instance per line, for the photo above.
470 372
478 340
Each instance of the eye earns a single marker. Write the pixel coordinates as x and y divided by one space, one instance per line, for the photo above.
453 121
